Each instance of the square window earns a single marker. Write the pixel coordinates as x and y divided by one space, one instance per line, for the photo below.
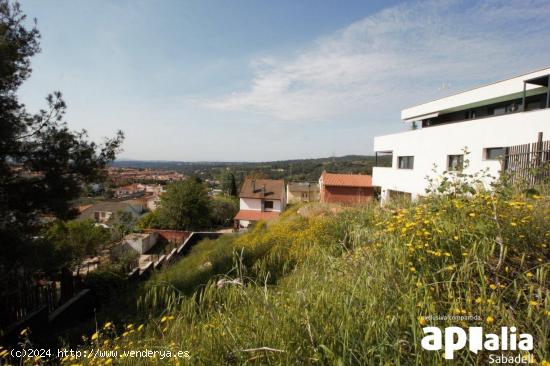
268 204
455 162
494 153
405 162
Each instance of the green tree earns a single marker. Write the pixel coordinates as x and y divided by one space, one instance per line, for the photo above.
122 223
151 220
228 184
233 186
223 210
185 205
67 243
43 164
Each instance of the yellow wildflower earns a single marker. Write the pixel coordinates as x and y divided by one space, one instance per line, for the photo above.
422 321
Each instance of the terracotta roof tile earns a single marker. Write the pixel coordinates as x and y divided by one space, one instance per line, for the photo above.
252 215
346 180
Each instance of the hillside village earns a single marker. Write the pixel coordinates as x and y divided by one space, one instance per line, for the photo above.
334 261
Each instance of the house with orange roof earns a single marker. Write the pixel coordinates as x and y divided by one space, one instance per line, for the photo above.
345 188
260 199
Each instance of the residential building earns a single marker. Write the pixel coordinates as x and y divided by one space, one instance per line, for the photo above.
156 189
260 199
121 175
345 188
297 192
129 190
487 121
104 212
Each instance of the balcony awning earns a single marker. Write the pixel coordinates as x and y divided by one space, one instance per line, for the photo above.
420 118
541 80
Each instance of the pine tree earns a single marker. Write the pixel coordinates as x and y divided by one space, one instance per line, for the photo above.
43 164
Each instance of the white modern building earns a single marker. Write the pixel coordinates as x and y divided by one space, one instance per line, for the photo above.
260 199
485 120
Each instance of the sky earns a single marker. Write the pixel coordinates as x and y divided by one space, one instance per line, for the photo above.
243 80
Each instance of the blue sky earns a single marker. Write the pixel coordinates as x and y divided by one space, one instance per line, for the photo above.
270 80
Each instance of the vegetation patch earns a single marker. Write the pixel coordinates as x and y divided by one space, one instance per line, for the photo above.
356 286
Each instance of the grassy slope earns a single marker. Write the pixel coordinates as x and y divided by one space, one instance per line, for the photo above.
353 287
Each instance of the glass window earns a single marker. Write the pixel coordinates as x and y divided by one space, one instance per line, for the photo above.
455 162
268 204
405 162
494 153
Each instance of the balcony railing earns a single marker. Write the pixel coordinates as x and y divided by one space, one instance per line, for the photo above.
529 101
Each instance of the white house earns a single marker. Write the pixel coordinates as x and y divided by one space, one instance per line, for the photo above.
487 120
260 199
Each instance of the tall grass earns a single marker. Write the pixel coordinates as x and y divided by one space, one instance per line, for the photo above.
354 287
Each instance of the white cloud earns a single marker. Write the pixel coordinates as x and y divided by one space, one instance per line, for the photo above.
399 56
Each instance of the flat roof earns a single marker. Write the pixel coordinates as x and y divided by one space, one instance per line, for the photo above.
493 92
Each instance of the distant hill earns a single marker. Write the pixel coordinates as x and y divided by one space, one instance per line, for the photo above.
295 170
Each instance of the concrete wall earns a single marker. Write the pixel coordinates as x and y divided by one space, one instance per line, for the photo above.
295 197
432 145
244 223
141 243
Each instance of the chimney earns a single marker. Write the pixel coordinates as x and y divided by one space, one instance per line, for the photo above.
253 186
263 190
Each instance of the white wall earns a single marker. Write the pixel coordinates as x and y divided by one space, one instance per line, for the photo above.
255 204
277 206
141 243
250 204
432 145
